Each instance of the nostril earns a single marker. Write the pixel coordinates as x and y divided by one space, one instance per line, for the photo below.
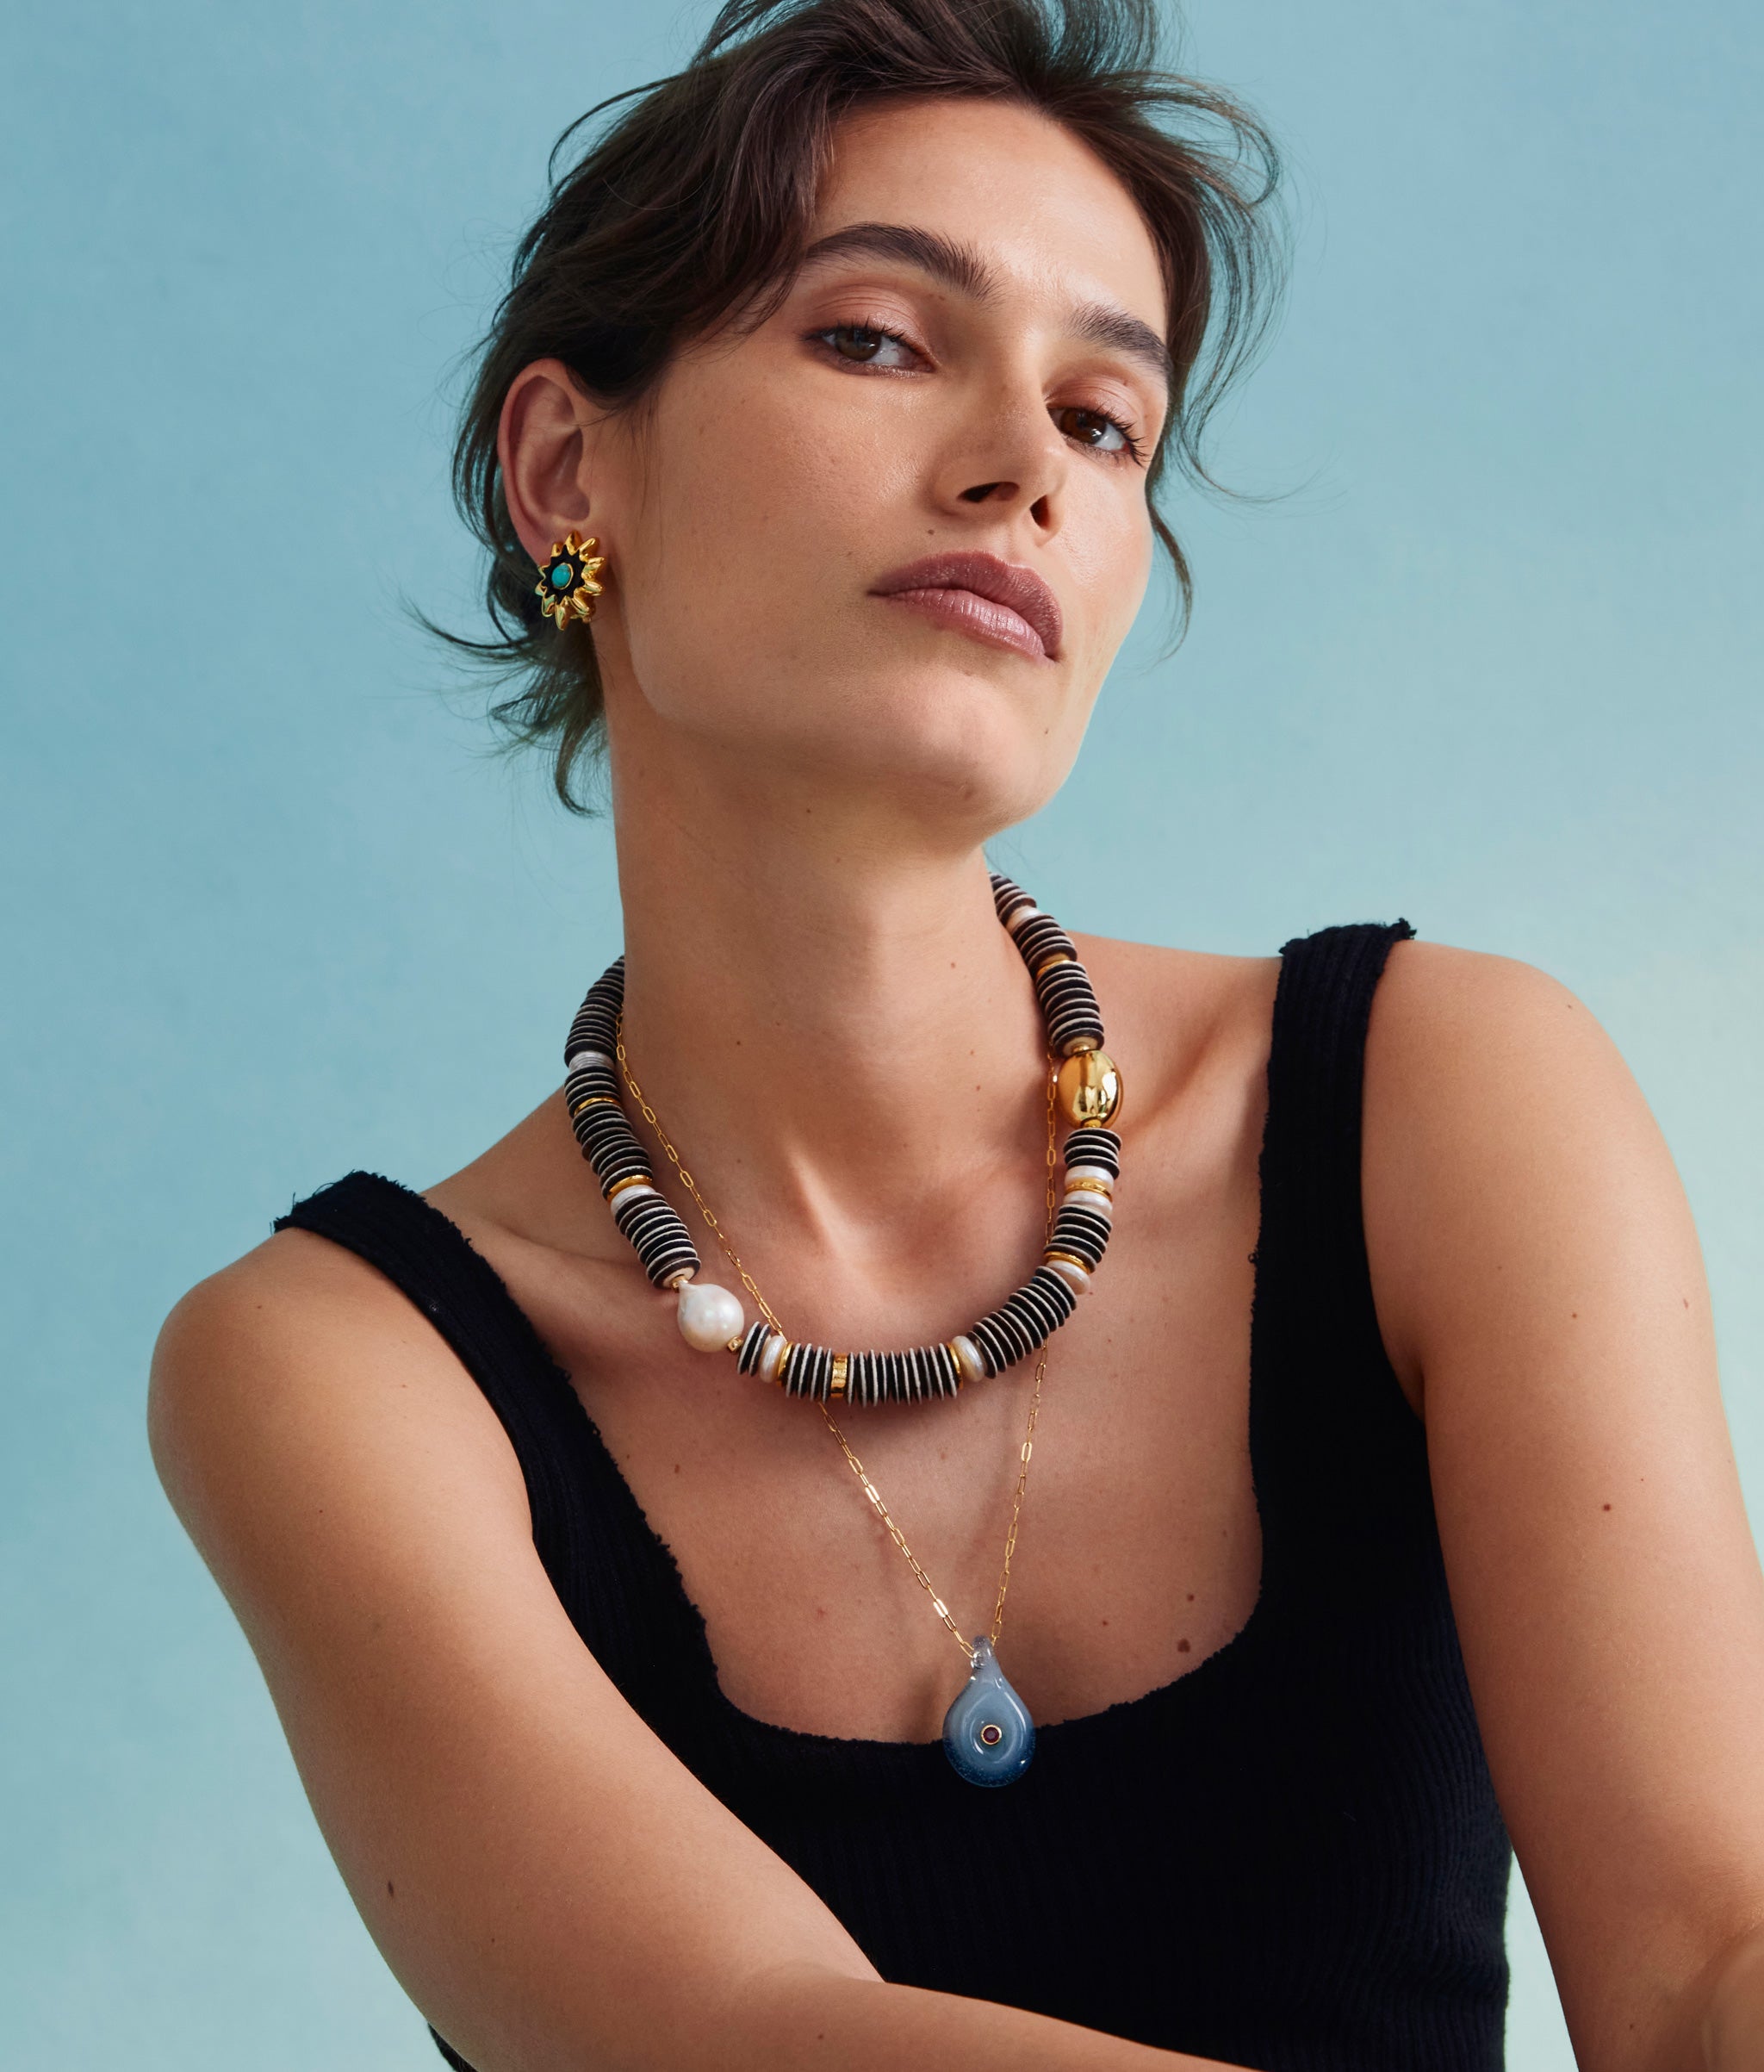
981 491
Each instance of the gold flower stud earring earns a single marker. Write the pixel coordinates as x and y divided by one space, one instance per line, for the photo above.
570 580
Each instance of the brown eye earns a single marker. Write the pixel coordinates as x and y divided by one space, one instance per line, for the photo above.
1092 428
855 341
865 344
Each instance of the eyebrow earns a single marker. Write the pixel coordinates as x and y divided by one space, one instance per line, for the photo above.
962 267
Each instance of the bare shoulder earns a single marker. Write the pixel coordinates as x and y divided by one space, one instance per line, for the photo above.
1499 1113
281 1359
1433 995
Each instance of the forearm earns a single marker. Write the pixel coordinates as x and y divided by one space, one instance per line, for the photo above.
807 2020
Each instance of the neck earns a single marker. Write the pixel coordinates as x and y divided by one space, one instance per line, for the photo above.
831 1023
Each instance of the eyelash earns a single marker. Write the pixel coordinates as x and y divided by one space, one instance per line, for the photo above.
1132 450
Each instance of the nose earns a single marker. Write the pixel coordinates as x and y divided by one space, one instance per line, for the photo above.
1008 455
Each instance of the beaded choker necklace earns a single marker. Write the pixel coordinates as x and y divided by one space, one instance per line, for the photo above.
988 1733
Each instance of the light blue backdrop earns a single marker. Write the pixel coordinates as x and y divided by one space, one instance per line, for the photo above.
269 913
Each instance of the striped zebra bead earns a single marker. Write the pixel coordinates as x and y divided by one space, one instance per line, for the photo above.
807 1371
1025 1322
1009 899
591 1082
1040 937
596 1023
753 1347
1002 1340
1069 1005
1089 1145
651 1226
863 1377
610 1148
1080 1231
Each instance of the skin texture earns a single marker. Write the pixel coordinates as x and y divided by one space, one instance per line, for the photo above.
824 1011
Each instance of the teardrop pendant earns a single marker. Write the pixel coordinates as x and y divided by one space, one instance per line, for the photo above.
988 1734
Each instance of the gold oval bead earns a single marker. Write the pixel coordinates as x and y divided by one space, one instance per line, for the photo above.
836 1387
1089 1088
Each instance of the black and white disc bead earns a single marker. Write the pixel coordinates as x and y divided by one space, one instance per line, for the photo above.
1062 985
1088 1090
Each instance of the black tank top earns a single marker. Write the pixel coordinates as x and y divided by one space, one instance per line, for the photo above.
1290 1858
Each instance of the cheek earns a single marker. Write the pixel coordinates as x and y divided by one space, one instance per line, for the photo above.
750 507
1107 547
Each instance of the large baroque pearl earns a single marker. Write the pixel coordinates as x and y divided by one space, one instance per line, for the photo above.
708 1315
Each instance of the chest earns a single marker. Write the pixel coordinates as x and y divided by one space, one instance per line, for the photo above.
1137 1553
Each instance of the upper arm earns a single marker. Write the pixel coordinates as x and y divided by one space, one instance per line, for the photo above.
551 1885
1534 1257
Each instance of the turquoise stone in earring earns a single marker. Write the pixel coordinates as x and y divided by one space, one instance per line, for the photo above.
988 1734
570 580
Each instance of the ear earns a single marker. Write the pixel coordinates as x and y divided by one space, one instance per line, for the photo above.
544 444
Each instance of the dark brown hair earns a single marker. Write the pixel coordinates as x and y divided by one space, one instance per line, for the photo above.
693 206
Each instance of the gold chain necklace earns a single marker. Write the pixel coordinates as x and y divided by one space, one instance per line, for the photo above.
857 1466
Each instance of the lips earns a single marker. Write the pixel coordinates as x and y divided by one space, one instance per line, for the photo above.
980 594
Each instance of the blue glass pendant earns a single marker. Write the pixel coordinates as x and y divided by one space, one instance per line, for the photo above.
988 1734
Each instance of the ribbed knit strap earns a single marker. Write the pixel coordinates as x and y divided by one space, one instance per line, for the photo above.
1340 1460
1317 1080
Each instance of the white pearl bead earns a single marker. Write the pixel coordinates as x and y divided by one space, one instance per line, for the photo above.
583 1058
708 1315
967 1358
772 1358
1022 914
1091 1173
1088 1197
1075 1277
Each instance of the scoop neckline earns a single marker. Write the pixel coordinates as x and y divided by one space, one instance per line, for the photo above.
1220 1661
1229 1655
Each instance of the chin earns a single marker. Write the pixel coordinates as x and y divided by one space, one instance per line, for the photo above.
963 749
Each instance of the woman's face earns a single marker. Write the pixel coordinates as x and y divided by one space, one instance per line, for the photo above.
984 377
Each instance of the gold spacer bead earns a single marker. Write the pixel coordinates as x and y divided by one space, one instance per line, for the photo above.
1059 956
1072 1259
783 1361
733 1345
1091 1186
1078 1045
835 1388
596 1100
623 1187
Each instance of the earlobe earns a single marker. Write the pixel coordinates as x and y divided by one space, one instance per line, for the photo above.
542 446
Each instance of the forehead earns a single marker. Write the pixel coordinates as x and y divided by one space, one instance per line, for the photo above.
1052 220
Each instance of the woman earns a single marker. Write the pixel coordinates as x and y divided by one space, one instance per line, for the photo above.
1380 1503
